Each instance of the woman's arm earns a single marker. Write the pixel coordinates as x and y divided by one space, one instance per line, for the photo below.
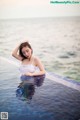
40 66
15 53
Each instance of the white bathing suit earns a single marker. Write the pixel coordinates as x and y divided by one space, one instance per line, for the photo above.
28 68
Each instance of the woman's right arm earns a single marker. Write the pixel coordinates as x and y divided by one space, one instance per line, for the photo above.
15 53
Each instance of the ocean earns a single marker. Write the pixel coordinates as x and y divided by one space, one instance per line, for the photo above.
56 41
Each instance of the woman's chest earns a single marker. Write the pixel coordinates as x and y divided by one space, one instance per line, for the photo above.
27 68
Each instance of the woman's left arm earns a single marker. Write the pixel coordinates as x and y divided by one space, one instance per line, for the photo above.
39 64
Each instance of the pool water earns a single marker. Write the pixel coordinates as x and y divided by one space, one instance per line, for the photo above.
42 99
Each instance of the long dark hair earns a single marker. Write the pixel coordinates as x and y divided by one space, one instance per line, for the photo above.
25 44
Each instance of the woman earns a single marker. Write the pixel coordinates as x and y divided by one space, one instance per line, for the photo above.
31 65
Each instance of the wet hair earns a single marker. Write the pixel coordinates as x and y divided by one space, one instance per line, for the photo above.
25 44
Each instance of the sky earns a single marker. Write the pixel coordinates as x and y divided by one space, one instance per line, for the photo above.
36 8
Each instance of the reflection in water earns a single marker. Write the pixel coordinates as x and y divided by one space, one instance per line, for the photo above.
26 88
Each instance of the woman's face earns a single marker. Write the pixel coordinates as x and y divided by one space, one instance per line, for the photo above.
27 52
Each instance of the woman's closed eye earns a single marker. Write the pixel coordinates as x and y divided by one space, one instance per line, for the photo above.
25 52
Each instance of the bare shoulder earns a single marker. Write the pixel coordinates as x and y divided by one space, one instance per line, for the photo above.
38 63
36 59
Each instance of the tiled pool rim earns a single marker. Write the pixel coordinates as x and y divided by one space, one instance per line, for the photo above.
63 80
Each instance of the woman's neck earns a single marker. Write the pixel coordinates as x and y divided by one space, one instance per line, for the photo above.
29 59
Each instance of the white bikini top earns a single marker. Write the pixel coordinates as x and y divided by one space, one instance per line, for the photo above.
28 68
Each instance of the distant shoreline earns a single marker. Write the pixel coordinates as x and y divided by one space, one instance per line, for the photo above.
40 17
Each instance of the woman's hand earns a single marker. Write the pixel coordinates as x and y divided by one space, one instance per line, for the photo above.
28 74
